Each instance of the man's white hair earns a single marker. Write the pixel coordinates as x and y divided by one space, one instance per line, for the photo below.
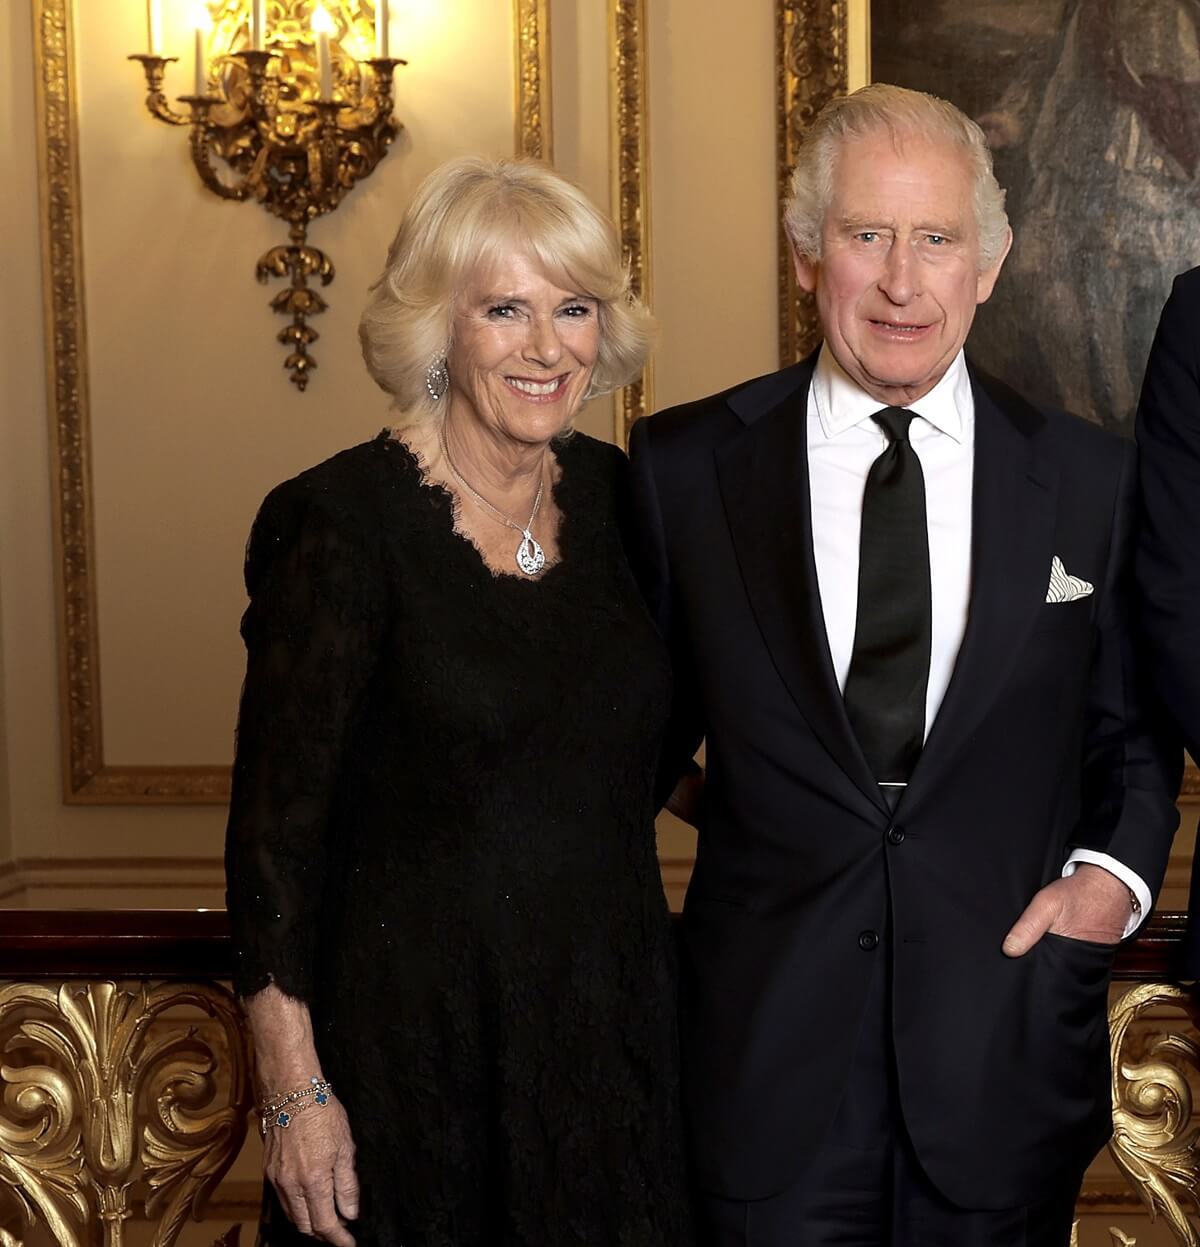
902 113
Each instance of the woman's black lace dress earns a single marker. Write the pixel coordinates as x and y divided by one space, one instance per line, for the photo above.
441 839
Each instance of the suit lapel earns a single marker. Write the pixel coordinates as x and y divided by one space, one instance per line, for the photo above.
1013 514
763 475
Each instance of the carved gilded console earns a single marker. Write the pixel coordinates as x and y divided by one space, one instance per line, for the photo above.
1156 1060
122 1098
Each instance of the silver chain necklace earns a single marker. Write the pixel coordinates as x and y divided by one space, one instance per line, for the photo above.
530 556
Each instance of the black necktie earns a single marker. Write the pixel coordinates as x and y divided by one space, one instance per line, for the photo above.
889 668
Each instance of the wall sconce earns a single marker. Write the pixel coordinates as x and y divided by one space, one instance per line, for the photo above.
290 109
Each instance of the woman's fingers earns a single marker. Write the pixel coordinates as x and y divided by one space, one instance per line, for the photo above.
345 1182
291 1196
311 1166
321 1211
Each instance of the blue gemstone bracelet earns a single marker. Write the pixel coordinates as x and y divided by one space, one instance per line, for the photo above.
281 1109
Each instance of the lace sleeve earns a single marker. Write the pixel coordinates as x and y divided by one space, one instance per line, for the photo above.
312 633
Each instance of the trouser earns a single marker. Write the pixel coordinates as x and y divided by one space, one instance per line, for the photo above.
865 1186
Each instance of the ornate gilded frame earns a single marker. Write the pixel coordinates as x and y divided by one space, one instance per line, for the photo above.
812 50
87 778
629 163
535 128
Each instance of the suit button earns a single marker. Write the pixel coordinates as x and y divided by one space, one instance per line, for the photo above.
895 835
868 940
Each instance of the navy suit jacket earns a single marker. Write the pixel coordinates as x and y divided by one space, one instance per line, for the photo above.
1168 557
803 879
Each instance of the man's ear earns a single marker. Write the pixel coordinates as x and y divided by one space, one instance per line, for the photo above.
806 269
987 278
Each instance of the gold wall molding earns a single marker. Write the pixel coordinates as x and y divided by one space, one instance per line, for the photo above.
812 66
535 129
87 778
629 163
83 1061
50 882
1107 1197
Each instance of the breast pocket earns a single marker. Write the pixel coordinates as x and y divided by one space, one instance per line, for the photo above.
1066 617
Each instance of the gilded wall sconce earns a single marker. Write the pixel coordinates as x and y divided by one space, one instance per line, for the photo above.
291 107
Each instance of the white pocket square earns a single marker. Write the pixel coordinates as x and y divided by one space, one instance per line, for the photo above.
1063 586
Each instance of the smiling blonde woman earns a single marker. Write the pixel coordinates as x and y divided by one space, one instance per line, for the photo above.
451 932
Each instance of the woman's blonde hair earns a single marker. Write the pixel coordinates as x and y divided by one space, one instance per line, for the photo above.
467 216
900 112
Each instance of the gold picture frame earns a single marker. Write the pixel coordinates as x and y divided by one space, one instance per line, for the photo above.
629 163
87 779
535 127
822 49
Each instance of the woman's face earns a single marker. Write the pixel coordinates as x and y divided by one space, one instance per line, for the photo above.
523 352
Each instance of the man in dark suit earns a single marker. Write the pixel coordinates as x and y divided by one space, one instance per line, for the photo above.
1168 557
896 595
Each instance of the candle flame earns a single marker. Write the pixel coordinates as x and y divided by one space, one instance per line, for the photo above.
201 17
322 23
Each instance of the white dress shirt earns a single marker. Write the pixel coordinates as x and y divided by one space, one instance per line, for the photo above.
843 442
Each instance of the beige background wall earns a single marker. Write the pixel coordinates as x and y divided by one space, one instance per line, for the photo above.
712 192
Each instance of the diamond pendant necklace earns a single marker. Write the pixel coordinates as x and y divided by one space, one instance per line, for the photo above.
530 556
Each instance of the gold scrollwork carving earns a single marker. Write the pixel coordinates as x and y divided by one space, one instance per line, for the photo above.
1154 1144
811 46
631 178
535 133
83 1064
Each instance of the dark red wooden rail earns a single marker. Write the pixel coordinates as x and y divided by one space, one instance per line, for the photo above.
194 944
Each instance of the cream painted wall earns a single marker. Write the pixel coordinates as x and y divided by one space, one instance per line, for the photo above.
21 400
713 200
26 603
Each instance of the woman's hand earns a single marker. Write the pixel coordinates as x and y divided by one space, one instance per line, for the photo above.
311 1161
311 1166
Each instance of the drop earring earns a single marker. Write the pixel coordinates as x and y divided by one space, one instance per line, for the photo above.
437 377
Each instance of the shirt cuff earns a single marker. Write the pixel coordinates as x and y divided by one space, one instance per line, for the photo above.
1131 879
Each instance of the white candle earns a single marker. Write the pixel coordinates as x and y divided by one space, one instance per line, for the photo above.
154 22
325 66
203 24
258 24
381 28
201 75
323 26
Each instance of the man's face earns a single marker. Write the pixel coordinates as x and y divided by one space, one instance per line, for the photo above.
898 281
